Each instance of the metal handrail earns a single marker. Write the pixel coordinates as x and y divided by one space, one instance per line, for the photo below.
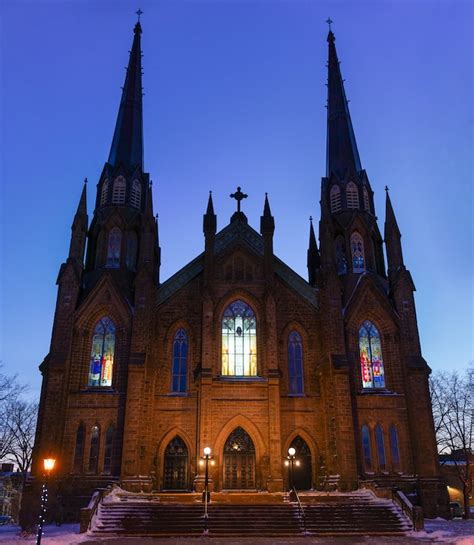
300 508
95 500
413 512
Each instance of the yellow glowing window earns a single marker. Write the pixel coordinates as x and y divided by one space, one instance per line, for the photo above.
239 341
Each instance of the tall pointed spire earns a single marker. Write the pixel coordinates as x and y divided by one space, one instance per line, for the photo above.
267 222
341 147
79 228
209 218
127 144
313 257
392 237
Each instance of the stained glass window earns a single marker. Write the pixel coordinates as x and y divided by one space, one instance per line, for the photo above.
132 247
366 448
371 361
357 251
104 193
79 450
136 194
109 438
94 450
239 340
180 362
102 353
380 447
352 194
335 198
394 448
113 248
295 363
118 193
341 258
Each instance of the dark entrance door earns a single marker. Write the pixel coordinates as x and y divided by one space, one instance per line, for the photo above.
176 465
302 473
239 461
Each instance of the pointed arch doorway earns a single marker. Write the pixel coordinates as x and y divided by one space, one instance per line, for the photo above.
175 475
303 472
239 461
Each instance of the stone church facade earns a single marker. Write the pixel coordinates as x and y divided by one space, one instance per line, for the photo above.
236 351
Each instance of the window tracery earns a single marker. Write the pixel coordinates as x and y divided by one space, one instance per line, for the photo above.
180 362
118 192
352 196
295 363
113 248
357 250
335 199
102 353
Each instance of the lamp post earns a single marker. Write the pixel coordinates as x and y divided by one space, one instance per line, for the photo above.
48 466
290 462
206 497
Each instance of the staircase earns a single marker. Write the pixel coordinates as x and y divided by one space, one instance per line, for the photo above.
123 513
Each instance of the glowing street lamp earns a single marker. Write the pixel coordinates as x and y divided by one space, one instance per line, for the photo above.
48 466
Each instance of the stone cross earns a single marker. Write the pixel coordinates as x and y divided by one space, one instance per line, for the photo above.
238 196
329 21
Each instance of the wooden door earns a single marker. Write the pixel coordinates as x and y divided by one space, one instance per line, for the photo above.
176 465
239 461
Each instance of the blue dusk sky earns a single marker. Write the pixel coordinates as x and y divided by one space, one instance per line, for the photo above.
235 95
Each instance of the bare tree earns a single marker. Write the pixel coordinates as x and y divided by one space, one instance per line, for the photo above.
452 401
22 425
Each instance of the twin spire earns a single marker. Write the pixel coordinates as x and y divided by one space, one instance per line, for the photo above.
127 144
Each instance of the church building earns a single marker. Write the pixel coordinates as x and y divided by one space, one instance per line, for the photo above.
236 351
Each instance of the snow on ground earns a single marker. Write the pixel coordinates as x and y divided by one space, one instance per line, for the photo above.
438 531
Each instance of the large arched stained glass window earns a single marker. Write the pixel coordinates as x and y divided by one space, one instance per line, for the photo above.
180 362
357 251
371 361
239 340
295 363
102 353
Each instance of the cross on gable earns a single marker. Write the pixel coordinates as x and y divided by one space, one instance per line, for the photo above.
238 196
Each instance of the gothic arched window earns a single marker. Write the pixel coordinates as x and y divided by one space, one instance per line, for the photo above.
371 361
341 258
239 340
335 199
366 199
79 449
118 193
352 196
132 248
180 362
104 192
109 438
136 194
366 448
380 447
295 363
94 450
357 251
394 450
113 248
102 353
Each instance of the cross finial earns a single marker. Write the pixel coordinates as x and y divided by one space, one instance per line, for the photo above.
238 196
329 21
386 188
311 219
139 12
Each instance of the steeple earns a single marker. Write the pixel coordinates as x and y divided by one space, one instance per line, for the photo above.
209 218
79 228
392 237
267 222
341 147
127 144
313 259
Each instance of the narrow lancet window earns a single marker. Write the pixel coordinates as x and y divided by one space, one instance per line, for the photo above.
102 353
132 248
352 196
94 450
380 447
104 193
357 250
118 193
295 363
341 258
394 449
136 194
79 449
335 199
113 248
239 340
366 200
109 438
366 448
180 362
371 361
